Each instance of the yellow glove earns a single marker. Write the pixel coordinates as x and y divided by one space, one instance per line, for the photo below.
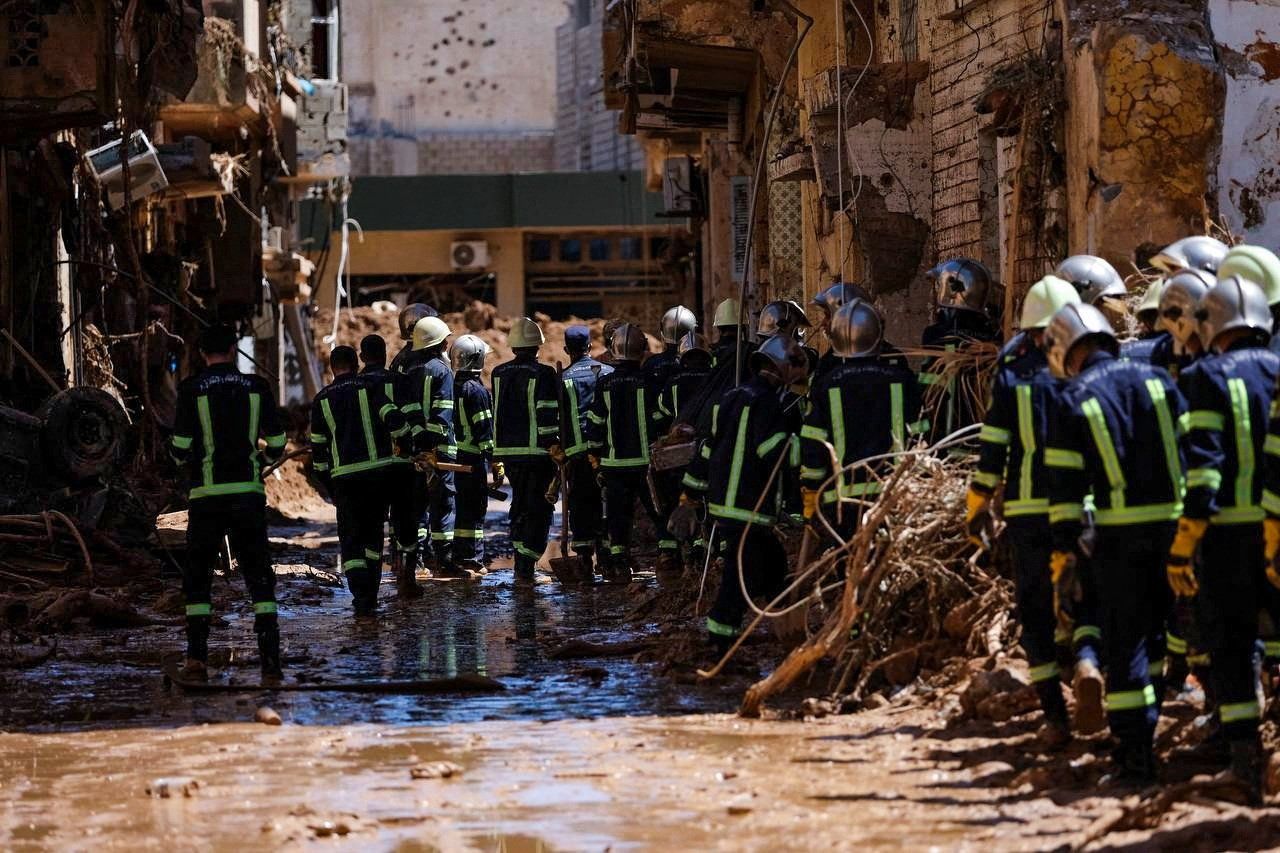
810 498
1066 584
1178 567
1271 529
557 454
977 509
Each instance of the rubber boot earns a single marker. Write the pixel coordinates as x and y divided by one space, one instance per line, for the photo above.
358 585
196 665
447 567
524 571
1088 686
267 627
1246 766
407 586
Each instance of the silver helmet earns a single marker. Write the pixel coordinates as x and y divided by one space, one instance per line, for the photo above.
628 343
1071 325
467 353
1191 253
1232 303
783 358
1179 299
782 317
1092 277
692 348
409 317
838 295
961 283
676 322
856 330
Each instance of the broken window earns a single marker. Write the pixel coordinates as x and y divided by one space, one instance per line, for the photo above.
324 39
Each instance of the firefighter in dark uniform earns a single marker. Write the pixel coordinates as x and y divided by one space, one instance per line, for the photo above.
1229 401
695 371
729 330
1012 454
526 442
428 404
354 427
221 416
864 407
473 424
618 428
586 504
960 319
742 473
1260 266
401 478
659 370
407 319
1115 433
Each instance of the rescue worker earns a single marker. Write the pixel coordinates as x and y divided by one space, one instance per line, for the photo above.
1093 278
782 317
618 428
729 328
1262 267
742 473
428 405
221 416
695 371
407 320
1229 401
586 504
1151 335
676 323
401 478
1022 404
1191 253
865 407
354 427
1115 433
526 442
473 424
960 319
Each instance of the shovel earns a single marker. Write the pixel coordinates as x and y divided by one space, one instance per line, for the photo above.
569 570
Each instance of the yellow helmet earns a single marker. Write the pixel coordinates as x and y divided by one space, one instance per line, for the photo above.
525 333
728 313
1256 264
1044 299
1149 309
430 331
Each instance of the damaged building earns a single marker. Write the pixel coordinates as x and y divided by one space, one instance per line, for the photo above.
865 142
152 161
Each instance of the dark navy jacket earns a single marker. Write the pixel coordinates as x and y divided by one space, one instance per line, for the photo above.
354 425
473 418
620 425
526 409
580 379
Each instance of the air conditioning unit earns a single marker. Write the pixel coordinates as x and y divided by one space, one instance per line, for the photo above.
145 175
469 255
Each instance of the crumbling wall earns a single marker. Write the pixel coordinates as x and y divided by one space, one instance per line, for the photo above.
1247 33
1147 97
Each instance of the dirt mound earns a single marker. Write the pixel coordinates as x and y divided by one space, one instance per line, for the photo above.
480 319
289 493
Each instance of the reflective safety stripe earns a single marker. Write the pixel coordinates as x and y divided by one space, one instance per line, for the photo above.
812 474
720 629
692 482
1056 457
995 435
1244 441
1168 435
1235 712
1144 514
255 412
919 427
1086 632
1131 700
1155 668
221 489
1175 644
322 467
532 402
577 442
1239 515
1045 671
813 432
367 465
852 490
734 514
206 438
1271 445
1027 437
354 563
525 551
387 408
275 442
468 533
327 411
929 378
1032 506
1203 659
199 609
668 545
441 405
370 554
366 421
616 550
1065 512
770 443
835 405
1061 636
983 478
319 438
897 416
1204 478
1106 450
444 536
1271 648
262 608
739 456
182 442
547 404
1201 419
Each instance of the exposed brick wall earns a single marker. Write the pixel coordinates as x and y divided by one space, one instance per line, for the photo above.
443 153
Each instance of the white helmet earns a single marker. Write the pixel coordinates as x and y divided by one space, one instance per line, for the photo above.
467 353
430 331
1093 277
525 333
1191 253
1232 303
1257 264
1045 298
677 322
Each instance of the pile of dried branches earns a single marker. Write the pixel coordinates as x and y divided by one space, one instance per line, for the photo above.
965 372
905 584
46 545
